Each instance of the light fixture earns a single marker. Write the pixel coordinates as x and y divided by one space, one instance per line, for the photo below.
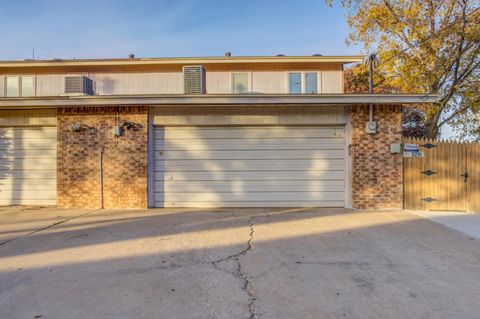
76 127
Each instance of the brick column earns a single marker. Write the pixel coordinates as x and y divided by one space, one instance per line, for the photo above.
377 175
124 158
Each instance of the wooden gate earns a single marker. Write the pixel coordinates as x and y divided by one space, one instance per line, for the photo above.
446 178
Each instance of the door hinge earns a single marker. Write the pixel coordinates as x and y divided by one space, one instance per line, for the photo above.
429 172
429 199
429 145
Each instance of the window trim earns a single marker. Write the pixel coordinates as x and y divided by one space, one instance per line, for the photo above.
303 82
19 83
249 84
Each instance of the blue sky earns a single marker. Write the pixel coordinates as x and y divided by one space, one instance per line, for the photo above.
115 28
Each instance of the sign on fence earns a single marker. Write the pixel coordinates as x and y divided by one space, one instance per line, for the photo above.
412 150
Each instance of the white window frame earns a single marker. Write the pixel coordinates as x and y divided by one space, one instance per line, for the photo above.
19 83
249 75
302 78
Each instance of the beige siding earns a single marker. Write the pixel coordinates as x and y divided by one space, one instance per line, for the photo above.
332 82
218 82
249 115
269 82
249 166
138 83
38 117
50 84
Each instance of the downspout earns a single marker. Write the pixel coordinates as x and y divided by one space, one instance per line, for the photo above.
101 176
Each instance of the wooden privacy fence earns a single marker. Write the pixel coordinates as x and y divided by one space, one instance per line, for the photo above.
447 177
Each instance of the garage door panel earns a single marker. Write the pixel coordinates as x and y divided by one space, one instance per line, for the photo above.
249 186
204 204
20 154
28 201
28 144
8 184
251 176
174 133
28 133
249 144
251 165
28 173
19 194
249 154
250 196
29 163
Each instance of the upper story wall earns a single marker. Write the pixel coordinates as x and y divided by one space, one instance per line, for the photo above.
272 78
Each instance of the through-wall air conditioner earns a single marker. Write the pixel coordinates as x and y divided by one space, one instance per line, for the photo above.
78 85
194 79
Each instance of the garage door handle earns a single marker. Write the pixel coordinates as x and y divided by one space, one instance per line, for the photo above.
466 176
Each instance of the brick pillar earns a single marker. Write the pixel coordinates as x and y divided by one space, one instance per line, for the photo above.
124 159
377 175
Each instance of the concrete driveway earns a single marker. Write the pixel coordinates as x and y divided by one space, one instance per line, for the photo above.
234 263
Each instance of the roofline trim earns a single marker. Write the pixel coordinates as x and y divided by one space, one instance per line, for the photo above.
174 61
206 100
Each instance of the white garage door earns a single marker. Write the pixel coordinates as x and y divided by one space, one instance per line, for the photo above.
249 166
28 174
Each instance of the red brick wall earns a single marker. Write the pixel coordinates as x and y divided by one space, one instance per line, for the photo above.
124 158
377 175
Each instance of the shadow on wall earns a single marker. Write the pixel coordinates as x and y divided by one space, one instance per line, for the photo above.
268 165
28 166
7 184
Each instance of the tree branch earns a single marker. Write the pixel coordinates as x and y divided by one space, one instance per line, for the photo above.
455 113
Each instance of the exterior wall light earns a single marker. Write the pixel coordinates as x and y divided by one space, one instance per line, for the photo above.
76 127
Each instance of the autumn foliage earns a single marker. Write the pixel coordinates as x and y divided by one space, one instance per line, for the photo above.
423 47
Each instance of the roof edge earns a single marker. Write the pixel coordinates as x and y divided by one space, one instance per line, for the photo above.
181 60
278 99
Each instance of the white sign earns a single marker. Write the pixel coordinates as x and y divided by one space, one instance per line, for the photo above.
413 154
412 150
411 147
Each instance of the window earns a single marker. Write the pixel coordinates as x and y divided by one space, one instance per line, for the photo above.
27 86
311 86
295 83
303 82
20 86
12 86
240 83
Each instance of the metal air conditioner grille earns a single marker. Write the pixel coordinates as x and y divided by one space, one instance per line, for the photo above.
194 79
78 85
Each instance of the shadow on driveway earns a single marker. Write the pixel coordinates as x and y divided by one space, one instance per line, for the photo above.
235 263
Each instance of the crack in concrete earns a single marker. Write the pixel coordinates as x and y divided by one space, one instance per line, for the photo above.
46 227
239 272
